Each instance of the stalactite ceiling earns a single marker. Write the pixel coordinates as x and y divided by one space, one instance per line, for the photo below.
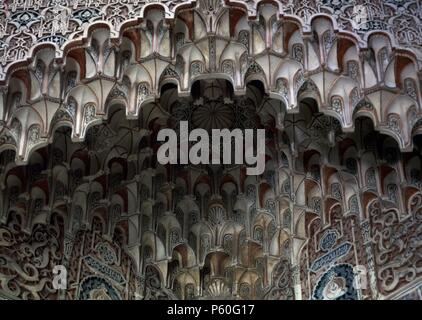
85 86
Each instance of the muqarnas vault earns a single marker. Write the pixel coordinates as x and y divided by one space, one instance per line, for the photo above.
86 85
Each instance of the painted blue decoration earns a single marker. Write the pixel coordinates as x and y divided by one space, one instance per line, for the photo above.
331 256
97 288
328 240
336 284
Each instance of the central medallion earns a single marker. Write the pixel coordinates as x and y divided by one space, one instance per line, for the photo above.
213 114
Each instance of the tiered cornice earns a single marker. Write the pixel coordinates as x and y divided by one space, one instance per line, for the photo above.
68 62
